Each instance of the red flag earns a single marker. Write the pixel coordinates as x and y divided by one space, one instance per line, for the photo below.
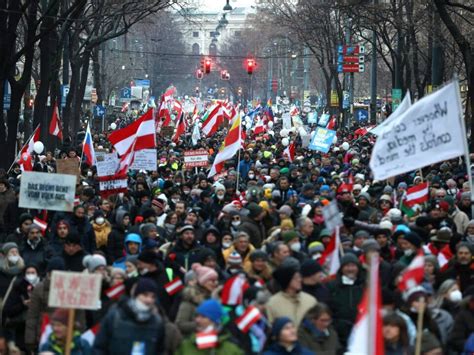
290 152
206 340
26 162
413 275
332 123
417 194
248 318
444 255
55 127
43 225
116 291
180 128
330 256
233 290
174 286
259 127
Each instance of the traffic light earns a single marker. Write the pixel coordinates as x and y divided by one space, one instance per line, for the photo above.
199 74
207 66
250 66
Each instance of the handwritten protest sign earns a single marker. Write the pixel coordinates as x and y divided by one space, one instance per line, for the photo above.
74 290
430 131
322 139
144 159
106 163
44 191
286 120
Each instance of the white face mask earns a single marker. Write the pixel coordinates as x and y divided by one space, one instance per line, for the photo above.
346 280
144 271
175 200
236 223
220 197
132 274
32 278
100 220
141 306
226 245
13 259
186 192
296 247
455 296
251 176
408 252
89 173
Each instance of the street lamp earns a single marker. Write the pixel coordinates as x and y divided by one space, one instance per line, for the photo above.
227 6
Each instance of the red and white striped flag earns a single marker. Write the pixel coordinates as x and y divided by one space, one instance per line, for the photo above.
444 255
259 127
290 152
206 340
330 256
43 225
116 291
55 127
366 336
212 119
89 335
248 318
233 290
417 194
413 275
174 286
180 128
35 137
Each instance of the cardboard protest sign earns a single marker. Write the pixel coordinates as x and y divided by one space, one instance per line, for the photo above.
106 164
196 158
44 191
428 132
74 290
145 159
68 166
109 185
322 139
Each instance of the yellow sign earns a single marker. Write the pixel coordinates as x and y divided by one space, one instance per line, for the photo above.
334 99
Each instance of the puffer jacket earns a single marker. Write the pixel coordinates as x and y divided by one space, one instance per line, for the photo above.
246 263
192 297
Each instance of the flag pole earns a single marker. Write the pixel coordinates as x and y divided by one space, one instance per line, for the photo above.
24 145
238 156
419 326
372 302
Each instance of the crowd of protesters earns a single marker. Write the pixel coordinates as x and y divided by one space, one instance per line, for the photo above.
261 218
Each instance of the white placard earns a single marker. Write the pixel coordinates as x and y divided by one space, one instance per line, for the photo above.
42 191
74 290
106 163
286 119
430 131
145 159
332 216
113 184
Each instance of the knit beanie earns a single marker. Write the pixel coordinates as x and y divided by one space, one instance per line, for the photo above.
60 315
310 267
287 223
144 285
24 217
234 259
258 254
92 262
9 246
349 258
254 210
148 257
278 325
203 273
414 239
288 236
211 309
283 275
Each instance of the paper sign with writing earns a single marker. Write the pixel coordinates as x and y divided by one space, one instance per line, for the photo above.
107 164
322 139
74 290
144 159
324 119
44 191
286 120
430 131
332 216
196 158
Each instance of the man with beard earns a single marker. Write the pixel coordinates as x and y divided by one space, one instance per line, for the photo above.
462 270
186 251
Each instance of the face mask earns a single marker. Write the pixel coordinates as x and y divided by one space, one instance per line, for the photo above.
186 192
226 245
413 310
132 274
89 173
175 200
142 307
455 296
408 252
346 280
251 176
316 256
170 226
100 220
220 197
13 259
32 278
470 238
236 223
144 271
296 247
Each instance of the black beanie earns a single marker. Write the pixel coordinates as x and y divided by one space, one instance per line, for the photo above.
414 239
283 275
144 285
148 257
310 267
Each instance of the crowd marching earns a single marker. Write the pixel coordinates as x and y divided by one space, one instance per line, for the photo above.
237 258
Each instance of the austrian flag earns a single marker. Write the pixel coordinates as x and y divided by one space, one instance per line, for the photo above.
413 275
206 340
417 194
174 286
248 318
116 291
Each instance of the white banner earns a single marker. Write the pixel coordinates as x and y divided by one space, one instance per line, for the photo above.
106 163
404 105
145 159
113 184
286 119
430 131
42 191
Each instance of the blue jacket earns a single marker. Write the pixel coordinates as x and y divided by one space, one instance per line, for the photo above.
244 168
277 349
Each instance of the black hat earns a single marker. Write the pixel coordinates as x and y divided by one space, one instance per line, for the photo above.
413 238
205 254
283 275
310 267
254 210
148 257
24 217
144 285
349 258
258 254
149 212
73 238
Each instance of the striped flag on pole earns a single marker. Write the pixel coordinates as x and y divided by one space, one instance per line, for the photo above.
248 318
206 340
233 291
417 194
43 225
174 286
413 275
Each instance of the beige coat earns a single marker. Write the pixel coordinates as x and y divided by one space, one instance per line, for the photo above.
295 307
192 297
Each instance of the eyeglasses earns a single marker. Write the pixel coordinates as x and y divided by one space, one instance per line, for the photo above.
236 218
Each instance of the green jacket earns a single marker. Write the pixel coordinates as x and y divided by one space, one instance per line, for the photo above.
224 347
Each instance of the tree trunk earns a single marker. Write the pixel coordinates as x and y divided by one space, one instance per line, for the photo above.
96 73
79 97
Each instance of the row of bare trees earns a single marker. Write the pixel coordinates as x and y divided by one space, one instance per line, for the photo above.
42 39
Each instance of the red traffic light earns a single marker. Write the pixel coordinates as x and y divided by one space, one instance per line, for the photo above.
250 66
207 66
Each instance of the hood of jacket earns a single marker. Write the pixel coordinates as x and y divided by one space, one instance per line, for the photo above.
195 294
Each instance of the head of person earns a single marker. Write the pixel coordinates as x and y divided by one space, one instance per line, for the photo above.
284 332
34 234
59 322
62 229
259 259
288 278
95 264
359 238
305 226
464 254
241 242
117 276
363 199
395 330
431 265
145 293
133 244
147 262
25 221
72 243
186 235
192 217
226 240
12 255
350 268
409 243
256 212
311 272
280 252
79 212
32 275
321 317
292 239
206 277
209 315
207 257
131 266
180 208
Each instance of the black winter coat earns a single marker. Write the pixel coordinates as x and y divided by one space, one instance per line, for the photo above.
37 256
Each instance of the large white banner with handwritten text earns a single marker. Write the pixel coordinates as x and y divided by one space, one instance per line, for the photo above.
430 131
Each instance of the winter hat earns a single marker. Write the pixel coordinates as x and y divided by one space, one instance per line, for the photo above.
203 273
283 275
258 254
364 195
315 247
219 187
288 236
414 239
92 262
206 254
362 234
24 217
186 227
254 210
60 315
432 259
287 223
56 263
8 246
357 187
144 285
234 259
370 245
211 309
147 228
394 214
310 267
349 258
158 202
324 233
148 257
285 209
385 224
278 325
